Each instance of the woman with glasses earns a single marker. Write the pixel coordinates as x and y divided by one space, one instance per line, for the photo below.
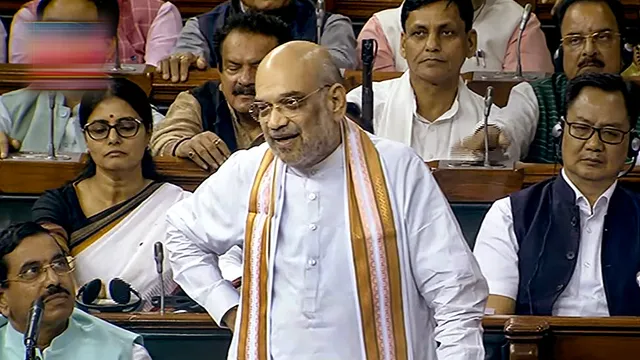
113 213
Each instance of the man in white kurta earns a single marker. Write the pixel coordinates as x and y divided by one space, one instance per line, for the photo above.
498 25
430 108
313 295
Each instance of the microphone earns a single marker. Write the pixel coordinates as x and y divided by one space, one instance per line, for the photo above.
526 15
319 18
33 328
488 102
368 55
51 147
158 251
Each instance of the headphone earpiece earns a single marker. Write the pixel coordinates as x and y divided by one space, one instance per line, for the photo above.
634 145
557 60
556 131
119 290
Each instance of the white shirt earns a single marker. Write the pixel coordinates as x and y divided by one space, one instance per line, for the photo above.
497 249
73 138
139 353
314 313
519 119
396 117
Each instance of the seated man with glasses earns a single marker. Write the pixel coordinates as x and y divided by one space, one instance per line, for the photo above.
33 265
592 40
570 246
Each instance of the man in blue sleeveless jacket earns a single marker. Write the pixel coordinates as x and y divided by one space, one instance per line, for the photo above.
570 246
196 44
33 265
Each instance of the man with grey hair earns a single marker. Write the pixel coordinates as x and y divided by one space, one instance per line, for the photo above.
343 235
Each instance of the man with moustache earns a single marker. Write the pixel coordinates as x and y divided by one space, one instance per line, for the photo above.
430 108
593 33
496 22
34 265
195 46
208 123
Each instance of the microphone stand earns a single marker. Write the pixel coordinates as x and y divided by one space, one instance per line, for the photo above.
117 62
368 55
51 147
159 258
525 19
320 11
488 102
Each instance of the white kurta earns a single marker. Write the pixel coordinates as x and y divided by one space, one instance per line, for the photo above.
314 307
497 252
395 117
494 22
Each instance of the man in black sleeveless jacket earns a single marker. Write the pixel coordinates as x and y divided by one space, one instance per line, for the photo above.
209 122
570 246
195 46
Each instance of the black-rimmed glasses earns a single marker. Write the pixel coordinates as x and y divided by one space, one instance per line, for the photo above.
287 105
126 127
607 135
60 266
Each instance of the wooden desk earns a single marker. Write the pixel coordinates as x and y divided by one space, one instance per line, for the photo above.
564 338
459 185
179 336
164 92
176 336
18 76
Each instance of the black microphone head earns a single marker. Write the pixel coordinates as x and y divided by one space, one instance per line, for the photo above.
120 291
90 291
158 251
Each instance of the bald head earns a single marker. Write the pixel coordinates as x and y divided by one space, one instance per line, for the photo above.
71 11
300 80
298 59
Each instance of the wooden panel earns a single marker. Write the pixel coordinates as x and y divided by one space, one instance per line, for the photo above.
478 185
168 321
163 92
459 185
10 7
565 338
17 76
191 8
529 337
35 177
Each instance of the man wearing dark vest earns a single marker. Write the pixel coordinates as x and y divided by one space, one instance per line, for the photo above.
592 40
570 246
209 122
196 42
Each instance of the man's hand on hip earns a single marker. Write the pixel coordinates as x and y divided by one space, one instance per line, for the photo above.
205 149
